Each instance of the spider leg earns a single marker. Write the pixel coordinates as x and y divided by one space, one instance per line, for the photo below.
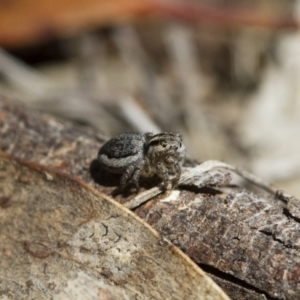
132 174
126 175
162 171
136 175
177 174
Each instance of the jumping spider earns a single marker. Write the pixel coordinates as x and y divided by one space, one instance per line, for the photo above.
135 154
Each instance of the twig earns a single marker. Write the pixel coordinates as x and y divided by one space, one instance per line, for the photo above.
196 172
136 115
24 76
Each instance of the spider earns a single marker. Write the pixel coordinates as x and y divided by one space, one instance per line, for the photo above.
135 154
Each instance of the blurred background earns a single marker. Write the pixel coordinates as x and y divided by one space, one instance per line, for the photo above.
225 74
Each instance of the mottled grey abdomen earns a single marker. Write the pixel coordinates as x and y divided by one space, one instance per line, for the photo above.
117 154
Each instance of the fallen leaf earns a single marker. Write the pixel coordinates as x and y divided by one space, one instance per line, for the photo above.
61 239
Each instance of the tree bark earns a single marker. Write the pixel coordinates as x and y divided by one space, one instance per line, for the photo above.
247 242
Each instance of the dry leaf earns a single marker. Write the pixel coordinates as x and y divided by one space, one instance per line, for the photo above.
61 239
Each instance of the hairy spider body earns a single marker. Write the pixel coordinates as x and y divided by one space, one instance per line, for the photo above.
134 154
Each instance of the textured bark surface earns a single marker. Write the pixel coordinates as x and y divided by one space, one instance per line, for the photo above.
244 235
249 243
